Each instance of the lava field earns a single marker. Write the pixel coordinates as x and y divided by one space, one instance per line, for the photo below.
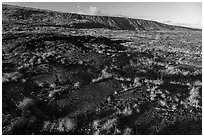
78 81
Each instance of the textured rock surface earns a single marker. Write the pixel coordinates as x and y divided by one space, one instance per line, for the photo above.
61 80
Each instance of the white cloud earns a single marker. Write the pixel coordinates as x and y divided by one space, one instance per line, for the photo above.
92 10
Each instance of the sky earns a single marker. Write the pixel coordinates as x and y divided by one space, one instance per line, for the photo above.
176 13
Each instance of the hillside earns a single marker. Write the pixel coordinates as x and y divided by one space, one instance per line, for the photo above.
19 16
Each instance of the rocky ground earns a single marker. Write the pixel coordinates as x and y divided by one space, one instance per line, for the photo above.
144 83
58 80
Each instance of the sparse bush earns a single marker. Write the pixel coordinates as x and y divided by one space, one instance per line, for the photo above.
26 103
104 127
193 98
65 124
104 75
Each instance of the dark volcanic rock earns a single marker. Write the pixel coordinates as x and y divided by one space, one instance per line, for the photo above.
88 98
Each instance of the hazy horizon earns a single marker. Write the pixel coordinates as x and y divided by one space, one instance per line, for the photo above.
188 14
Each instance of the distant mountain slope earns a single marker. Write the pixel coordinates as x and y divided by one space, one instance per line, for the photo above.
15 15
